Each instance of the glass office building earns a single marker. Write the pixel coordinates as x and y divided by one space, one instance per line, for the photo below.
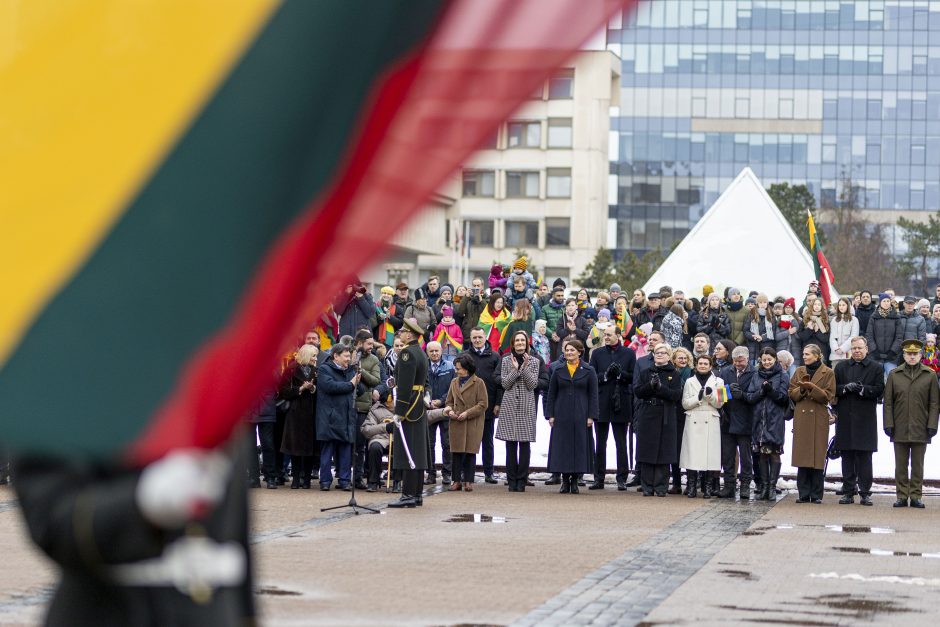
802 91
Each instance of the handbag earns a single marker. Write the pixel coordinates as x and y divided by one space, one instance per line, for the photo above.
282 404
832 452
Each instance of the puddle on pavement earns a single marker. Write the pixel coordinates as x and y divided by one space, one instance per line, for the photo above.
858 529
790 621
476 518
738 574
861 607
277 592
883 552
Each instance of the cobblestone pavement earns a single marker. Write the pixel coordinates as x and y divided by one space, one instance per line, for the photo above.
624 590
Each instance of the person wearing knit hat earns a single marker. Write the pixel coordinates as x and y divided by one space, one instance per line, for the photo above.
496 278
706 291
596 335
737 313
449 334
614 291
559 283
520 268
384 330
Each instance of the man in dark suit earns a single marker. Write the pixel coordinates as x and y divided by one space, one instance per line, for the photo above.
614 365
859 386
737 425
488 366
411 376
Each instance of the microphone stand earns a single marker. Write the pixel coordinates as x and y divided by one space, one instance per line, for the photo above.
352 496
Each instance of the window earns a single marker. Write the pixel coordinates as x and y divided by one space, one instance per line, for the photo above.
561 85
524 135
481 232
558 232
698 107
786 108
557 273
829 149
558 183
559 132
918 154
522 233
873 153
874 109
742 107
522 184
478 183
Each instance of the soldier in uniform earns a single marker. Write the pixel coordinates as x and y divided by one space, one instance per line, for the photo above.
911 407
411 375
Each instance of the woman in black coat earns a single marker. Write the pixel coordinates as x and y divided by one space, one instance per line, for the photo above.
658 390
768 392
571 407
299 388
572 322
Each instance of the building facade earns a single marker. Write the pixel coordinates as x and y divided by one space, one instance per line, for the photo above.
803 91
541 184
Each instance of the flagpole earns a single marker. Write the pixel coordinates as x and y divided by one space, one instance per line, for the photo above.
453 251
466 245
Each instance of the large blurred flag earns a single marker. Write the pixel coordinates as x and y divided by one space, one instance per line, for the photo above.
181 180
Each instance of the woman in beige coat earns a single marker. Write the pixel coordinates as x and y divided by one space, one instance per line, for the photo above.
812 388
465 406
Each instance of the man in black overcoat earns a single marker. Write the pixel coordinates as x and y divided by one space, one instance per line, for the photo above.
489 366
614 365
643 363
411 376
859 387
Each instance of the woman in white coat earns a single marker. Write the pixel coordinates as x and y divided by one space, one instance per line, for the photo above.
701 439
842 328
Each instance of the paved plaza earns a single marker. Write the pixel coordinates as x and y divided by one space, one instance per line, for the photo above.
491 557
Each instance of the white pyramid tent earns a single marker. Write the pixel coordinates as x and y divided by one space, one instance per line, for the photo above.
742 241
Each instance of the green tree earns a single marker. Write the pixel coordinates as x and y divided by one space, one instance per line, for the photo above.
599 274
923 249
633 271
794 201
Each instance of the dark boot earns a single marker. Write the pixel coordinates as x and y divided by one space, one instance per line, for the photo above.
708 485
727 492
676 482
774 474
555 479
565 485
745 488
693 483
716 482
575 481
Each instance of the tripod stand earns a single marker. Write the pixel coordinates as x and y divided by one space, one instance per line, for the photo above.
352 496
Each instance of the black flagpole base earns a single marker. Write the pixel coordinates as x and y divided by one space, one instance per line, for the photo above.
355 507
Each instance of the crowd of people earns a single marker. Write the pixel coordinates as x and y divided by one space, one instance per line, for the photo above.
700 388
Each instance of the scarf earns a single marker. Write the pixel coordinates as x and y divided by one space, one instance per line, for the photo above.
813 367
702 378
519 357
386 329
494 325
735 306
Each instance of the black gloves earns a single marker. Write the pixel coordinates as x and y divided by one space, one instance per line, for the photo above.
735 389
389 427
709 391
889 431
655 383
765 388
931 432
852 387
701 393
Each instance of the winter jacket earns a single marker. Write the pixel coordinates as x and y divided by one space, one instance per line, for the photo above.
582 327
811 416
671 329
770 407
701 438
863 313
841 333
737 318
439 382
425 316
739 412
656 419
571 400
857 422
915 327
518 411
912 402
552 313
614 367
336 412
786 341
371 377
470 307
489 366
374 426
656 317
450 337
765 327
884 335
715 323
466 435
819 338
355 312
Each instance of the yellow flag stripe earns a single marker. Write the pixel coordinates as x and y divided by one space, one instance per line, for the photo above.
94 93
812 231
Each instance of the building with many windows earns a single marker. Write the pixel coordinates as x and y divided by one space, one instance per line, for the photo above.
541 184
818 92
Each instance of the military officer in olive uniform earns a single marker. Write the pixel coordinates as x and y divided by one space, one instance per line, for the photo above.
411 374
912 405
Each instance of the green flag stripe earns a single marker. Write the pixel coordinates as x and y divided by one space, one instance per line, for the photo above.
101 357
